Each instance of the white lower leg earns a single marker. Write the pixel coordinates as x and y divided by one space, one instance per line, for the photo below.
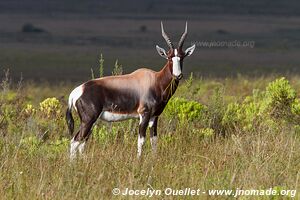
81 147
153 141
141 141
73 148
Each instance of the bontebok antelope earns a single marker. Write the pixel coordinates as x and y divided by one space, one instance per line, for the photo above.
142 94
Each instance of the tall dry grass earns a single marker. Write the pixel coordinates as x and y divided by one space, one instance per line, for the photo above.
260 158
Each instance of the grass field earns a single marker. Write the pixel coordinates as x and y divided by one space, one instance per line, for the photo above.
233 124
215 134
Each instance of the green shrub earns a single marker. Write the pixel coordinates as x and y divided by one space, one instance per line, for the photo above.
118 69
101 68
9 96
31 144
250 115
10 118
59 145
232 115
241 116
204 133
279 98
280 92
184 110
101 134
269 108
216 110
296 107
296 111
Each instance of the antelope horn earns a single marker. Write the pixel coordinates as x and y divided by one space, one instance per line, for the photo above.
165 36
181 41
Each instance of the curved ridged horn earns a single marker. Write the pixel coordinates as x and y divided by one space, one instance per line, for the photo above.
165 36
181 41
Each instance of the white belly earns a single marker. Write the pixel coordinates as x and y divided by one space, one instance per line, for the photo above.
113 117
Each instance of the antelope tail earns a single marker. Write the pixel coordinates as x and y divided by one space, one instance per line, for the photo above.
69 117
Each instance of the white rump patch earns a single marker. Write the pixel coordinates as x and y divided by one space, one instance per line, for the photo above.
113 117
176 64
74 96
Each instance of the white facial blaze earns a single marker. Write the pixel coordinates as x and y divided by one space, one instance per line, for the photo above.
176 64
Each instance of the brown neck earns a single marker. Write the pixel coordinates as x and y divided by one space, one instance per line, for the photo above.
166 81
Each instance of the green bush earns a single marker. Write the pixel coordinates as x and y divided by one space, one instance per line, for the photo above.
102 135
241 116
296 107
216 110
59 145
99 133
278 103
184 110
31 144
250 115
11 105
232 115
204 133
9 96
279 98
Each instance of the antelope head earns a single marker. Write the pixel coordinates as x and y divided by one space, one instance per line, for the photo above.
175 55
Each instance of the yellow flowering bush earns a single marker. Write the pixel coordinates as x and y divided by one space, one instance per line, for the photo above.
51 107
29 110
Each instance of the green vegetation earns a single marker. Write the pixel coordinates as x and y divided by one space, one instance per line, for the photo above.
214 134
118 70
101 68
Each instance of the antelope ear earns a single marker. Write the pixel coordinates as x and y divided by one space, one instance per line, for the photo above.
161 52
189 51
